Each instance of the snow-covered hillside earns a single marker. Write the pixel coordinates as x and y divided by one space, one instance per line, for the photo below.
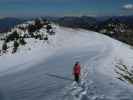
42 70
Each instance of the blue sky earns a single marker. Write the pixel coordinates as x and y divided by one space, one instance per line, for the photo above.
34 8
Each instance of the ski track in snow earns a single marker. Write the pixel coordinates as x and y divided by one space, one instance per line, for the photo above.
53 80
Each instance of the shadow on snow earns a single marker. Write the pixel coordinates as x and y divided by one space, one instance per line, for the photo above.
59 77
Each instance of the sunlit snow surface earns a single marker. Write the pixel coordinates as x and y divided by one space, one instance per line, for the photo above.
43 70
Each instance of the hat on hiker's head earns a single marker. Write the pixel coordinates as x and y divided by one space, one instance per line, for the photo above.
77 62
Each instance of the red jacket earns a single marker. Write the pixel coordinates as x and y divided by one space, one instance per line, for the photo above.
77 69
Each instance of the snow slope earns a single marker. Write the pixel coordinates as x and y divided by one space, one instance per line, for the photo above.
45 71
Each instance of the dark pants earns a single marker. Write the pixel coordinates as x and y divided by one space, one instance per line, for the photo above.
76 78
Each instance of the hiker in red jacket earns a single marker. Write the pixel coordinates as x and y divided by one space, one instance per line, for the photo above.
76 71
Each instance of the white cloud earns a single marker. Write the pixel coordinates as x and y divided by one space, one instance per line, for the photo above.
128 6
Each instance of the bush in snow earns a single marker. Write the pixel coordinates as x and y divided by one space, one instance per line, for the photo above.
22 41
16 45
125 74
12 36
21 28
51 32
46 37
49 27
4 47
38 24
39 36
31 28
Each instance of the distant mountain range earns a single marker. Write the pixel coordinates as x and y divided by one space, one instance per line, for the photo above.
7 23
118 27
74 22
85 20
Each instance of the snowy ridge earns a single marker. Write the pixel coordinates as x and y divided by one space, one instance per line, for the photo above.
45 72
25 54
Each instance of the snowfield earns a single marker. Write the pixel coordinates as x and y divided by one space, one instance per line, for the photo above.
42 70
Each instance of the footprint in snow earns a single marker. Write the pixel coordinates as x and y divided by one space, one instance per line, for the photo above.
77 91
